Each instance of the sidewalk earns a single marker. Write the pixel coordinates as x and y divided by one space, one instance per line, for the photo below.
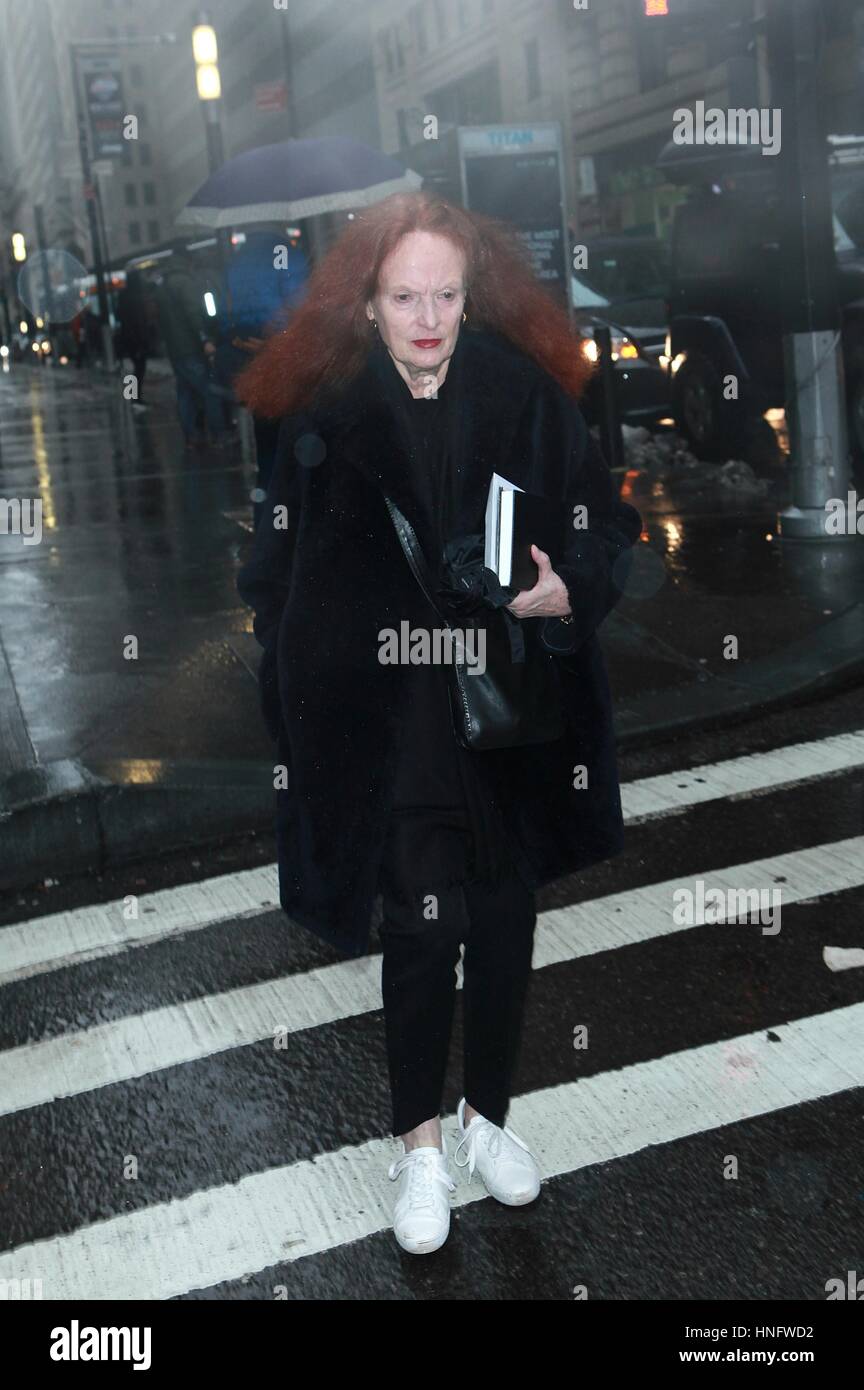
106 756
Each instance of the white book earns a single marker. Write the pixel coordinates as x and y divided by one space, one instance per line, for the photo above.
499 527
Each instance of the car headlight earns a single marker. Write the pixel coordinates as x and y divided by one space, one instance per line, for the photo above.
622 347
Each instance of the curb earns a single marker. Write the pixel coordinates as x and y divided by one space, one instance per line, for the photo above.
829 660
66 818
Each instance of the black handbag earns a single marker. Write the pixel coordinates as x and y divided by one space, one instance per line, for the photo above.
517 698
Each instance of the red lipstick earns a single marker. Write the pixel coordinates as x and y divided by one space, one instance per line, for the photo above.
426 342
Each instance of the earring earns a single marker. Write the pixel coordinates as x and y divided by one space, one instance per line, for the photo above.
464 318
374 323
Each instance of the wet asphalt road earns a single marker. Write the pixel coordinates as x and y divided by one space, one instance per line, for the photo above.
750 1047
140 538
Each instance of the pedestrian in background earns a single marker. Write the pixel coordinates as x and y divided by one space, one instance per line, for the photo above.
187 334
265 278
136 313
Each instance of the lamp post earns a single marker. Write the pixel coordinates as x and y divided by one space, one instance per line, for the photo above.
19 254
77 46
812 324
92 219
39 219
205 51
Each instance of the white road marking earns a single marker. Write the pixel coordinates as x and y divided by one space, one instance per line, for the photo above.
315 1205
101 929
673 792
839 958
68 938
38 1073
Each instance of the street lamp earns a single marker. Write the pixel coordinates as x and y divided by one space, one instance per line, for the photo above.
19 246
205 51
91 46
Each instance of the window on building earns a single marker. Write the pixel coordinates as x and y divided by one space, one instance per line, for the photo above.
474 99
136 75
462 11
141 113
144 154
532 69
388 51
440 20
127 152
134 231
840 18
153 231
130 193
418 24
149 191
400 56
650 42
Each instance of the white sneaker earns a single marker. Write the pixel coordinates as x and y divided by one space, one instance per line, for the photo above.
503 1160
421 1215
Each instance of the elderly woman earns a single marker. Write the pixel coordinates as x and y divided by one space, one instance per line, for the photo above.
424 358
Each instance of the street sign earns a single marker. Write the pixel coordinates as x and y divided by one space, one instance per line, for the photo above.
514 173
271 96
102 85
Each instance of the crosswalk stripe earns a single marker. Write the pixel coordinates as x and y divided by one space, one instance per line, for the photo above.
315 1205
68 938
72 1063
753 773
87 933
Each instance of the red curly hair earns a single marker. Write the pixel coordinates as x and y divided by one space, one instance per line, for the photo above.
327 338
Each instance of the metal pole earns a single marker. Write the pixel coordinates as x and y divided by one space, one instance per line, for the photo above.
39 220
106 250
90 201
215 140
4 301
47 314
610 418
811 320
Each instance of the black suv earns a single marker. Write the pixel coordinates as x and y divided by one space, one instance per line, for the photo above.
725 301
625 287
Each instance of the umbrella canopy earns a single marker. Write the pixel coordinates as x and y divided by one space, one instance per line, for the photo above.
296 178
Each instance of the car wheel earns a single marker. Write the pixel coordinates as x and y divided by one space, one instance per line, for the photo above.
713 427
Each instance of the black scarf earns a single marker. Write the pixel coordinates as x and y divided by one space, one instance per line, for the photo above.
431 448
451 541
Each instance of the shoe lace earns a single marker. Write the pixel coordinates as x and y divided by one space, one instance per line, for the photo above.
423 1170
492 1138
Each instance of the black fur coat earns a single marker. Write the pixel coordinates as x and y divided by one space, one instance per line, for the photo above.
330 574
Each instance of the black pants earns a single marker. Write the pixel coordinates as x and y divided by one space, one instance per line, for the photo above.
418 983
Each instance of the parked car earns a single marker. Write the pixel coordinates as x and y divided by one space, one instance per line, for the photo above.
727 292
624 287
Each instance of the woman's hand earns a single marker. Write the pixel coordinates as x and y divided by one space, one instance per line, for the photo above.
548 598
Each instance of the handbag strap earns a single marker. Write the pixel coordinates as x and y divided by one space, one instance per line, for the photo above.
413 553
420 569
